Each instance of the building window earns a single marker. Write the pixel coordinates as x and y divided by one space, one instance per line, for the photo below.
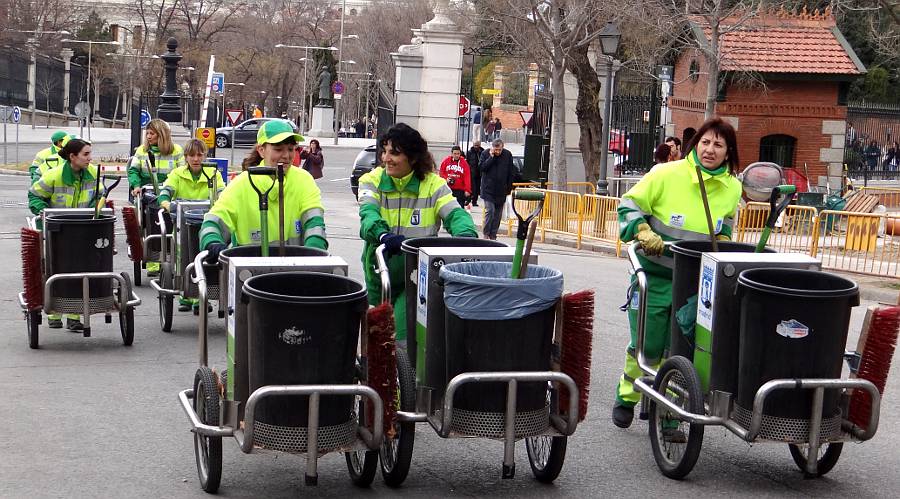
778 149
694 71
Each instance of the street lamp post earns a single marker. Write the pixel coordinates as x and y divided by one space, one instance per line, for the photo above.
90 44
609 44
305 58
337 105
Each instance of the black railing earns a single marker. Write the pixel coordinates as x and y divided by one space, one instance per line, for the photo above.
871 150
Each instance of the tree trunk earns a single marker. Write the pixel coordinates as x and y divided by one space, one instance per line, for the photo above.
558 166
587 109
712 58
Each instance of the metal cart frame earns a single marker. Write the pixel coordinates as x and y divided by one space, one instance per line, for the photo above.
146 236
124 298
208 433
716 408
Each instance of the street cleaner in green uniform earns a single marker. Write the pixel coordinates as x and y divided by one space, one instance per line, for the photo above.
166 156
235 217
48 158
404 198
71 185
666 206
189 183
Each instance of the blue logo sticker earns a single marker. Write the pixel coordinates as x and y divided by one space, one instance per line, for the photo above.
298 227
416 218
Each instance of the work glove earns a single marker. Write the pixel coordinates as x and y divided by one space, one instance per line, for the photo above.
165 205
214 249
392 243
650 241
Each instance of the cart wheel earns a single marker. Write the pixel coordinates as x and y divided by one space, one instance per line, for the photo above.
33 321
137 273
396 453
546 456
126 317
829 453
361 464
166 281
208 450
676 444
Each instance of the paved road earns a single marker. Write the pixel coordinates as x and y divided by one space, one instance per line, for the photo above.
91 418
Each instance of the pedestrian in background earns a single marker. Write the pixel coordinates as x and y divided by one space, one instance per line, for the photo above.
674 144
455 170
310 159
872 154
473 157
662 154
497 173
498 126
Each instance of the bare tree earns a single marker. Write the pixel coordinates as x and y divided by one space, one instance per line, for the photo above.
48 85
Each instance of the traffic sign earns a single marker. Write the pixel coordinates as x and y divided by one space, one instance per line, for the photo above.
538 87
234 116
16 114
463 105
218 83
5 114
82 109
208 136
526 117
145 118
337 87
490 91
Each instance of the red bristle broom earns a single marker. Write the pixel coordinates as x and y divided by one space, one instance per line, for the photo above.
876 348
382 361
133 233
575 352
32 275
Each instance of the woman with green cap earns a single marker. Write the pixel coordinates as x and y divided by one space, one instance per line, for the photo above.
48 158
235 217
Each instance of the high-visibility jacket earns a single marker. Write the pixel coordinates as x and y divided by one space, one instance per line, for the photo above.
44 160
668 199
63 188
235 216
181 184
138 168
407 206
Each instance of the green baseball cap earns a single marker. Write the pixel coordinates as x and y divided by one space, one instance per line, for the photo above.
57 136
276 131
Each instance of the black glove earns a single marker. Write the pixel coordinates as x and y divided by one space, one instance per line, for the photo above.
214 249
392 243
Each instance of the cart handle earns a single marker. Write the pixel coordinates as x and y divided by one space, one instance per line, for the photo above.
381 269
200 281
526 195
633 249
164 239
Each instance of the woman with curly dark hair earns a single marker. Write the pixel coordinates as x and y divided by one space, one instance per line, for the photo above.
402 198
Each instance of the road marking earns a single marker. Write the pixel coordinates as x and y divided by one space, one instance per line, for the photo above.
338 179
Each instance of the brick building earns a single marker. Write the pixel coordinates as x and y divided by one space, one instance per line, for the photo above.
795 112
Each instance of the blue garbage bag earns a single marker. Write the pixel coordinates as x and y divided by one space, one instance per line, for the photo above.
484 290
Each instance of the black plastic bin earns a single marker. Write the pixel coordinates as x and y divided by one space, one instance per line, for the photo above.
686 279
793 325
78 243
410 249
303 329
254 250
193 220
495 323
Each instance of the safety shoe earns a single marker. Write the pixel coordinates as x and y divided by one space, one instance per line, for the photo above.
673 436
74 325
54 323
622 415
184 307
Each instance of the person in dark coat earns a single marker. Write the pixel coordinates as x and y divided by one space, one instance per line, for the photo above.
473 157
497 173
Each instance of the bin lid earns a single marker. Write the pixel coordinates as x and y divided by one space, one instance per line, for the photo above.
484 290
798 283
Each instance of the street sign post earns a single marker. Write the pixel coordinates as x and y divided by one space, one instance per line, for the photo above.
17 115
5 113
490 91
218 83
463 105
145 118
337 87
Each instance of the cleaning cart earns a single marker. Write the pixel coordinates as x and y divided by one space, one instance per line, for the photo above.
451 374
74 271
155 231
763 358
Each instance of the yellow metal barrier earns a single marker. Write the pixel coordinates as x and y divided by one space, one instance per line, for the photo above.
599 219
888 196
858 242
793 232
561 213
578 187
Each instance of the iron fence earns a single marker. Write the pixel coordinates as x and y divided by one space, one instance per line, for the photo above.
871 150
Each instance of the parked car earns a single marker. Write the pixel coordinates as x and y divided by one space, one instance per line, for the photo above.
366 160
244 133
364 163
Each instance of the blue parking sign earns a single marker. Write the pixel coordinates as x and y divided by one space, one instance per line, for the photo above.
218 83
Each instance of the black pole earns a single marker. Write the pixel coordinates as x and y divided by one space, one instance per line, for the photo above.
169 109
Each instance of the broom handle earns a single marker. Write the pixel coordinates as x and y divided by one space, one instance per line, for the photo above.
709 224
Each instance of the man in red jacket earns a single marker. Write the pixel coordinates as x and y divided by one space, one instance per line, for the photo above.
455 170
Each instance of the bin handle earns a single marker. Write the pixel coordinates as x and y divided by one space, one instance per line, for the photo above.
381 269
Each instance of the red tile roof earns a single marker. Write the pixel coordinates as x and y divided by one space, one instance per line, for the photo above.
784 44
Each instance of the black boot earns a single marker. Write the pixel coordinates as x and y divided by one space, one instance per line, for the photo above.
622 415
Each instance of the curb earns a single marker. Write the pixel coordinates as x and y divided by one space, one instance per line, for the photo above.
20 173
43 142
